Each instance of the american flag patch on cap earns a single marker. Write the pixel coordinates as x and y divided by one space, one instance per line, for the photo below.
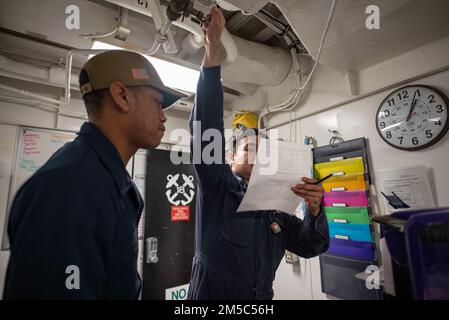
140 74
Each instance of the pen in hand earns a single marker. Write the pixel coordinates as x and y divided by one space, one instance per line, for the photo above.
325 178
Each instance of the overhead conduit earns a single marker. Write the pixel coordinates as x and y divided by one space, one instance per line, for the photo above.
248 64
52 74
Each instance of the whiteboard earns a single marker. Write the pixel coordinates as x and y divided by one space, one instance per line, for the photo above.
34 148
8 138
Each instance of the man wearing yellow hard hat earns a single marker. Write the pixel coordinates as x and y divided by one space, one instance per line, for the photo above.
244 120
237 254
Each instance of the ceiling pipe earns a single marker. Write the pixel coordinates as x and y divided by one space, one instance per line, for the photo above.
186 24
161 37
52 75
192 44
57 75
28 94
24 68
262 64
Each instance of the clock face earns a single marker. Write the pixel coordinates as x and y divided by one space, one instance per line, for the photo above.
413 117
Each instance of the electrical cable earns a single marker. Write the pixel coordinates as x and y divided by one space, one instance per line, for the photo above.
297 92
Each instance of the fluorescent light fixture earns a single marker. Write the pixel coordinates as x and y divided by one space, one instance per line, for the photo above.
172 75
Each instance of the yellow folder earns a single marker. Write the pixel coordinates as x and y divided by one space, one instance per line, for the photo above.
340 167
344 183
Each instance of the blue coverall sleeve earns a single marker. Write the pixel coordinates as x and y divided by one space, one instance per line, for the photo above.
207 114
309 237
57 220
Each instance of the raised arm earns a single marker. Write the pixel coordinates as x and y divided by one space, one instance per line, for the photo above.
207 112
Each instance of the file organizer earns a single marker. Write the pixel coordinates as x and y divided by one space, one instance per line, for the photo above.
347 215
346 199
345 183
339 168
353 232
347 208
336 272
358 250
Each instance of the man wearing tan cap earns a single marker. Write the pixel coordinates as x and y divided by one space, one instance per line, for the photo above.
72 225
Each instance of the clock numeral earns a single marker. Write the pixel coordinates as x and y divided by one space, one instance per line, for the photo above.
382 125
438 123
429 134
403 95
440 108
400 139
431 98
391 102
418 93
415 141
389 135
386 113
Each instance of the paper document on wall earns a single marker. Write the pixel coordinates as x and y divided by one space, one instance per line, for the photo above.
405 188
275 171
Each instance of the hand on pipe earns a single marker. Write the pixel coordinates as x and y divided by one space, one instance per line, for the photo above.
213 29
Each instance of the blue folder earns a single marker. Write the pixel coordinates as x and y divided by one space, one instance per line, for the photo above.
353 232
354 249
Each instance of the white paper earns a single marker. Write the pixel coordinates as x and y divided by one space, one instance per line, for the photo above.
139 180
411 184
272 191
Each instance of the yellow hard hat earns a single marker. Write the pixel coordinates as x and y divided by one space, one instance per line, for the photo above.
245 119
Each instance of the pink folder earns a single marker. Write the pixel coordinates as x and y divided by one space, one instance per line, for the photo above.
345 199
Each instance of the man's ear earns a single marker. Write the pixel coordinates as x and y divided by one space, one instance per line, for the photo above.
121 96
230 157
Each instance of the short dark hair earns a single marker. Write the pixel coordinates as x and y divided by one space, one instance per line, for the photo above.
93 100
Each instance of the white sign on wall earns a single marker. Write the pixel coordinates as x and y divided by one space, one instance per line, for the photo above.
409 186
177 293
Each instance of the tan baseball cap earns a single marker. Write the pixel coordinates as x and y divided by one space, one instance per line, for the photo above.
127 67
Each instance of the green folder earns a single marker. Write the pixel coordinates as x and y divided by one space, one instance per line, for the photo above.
347 214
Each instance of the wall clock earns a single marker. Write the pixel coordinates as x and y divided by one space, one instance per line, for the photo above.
413 117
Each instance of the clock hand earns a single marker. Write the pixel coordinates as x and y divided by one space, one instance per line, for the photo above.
412 107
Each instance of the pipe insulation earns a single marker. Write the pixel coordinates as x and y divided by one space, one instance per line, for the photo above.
53 74
243 61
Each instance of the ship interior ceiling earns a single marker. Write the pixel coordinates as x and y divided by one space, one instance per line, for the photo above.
323 75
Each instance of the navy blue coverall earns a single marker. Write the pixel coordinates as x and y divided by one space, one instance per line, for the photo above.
80 209
237 254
